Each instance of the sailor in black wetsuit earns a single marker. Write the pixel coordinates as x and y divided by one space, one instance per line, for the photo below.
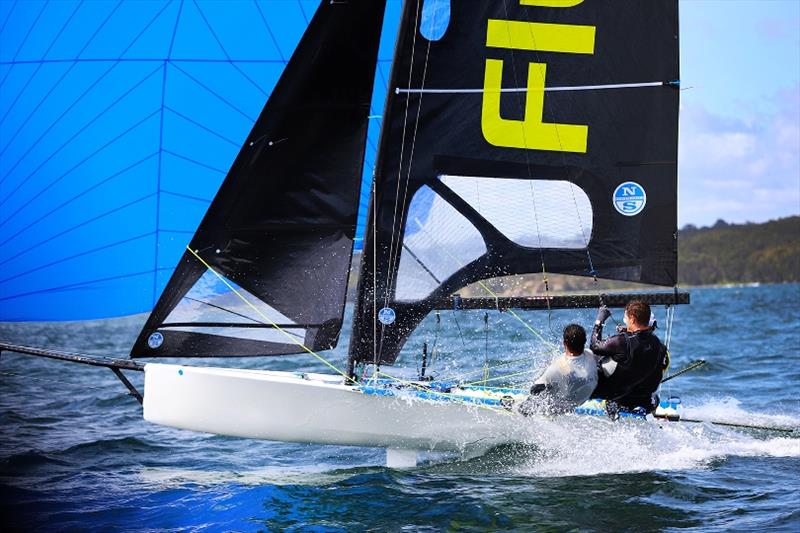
632 363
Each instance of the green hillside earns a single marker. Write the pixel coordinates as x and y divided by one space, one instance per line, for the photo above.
740 253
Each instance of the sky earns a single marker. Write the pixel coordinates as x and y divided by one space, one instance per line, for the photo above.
739 152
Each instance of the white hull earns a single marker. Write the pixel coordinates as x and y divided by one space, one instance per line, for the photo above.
316 408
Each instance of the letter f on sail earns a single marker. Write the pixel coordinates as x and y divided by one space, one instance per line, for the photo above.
532 132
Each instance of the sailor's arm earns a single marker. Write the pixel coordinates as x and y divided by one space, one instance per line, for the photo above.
597 331
614 347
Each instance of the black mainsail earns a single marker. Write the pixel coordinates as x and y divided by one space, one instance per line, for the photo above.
274 248
533 135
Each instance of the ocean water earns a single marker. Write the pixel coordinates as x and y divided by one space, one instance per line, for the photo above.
75 453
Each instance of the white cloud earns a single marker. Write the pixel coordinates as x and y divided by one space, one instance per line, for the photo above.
740 169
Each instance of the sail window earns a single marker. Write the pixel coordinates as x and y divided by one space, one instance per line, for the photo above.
221 311
438 241
531 213
265 334
435 19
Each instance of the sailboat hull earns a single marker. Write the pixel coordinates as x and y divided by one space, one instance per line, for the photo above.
319 409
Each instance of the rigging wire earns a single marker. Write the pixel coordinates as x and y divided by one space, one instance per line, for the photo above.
392 259
435 337
498 378
669 312
400 163
494 295
292 338
486 347
398 224
460 334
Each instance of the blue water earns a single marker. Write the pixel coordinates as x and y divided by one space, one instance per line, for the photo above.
75 453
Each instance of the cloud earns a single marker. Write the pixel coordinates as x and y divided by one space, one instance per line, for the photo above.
740 170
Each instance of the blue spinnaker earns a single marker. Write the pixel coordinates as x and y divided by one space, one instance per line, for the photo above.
118 122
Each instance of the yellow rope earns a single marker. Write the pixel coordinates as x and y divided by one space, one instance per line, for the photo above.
493 367
265 317
499 377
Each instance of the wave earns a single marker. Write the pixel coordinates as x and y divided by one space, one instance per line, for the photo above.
574 447
121 445
23 462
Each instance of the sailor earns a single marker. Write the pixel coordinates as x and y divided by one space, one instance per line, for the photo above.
631 363
568 381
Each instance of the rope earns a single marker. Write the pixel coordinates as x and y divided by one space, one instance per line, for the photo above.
549 344
500 377
493 367
265 317
435 338
455 319
411 156
541 250
400 165
486 347
413 385
684 370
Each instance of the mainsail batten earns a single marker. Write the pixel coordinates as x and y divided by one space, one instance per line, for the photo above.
618 147
280 231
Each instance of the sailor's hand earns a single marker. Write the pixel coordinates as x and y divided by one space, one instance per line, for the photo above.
602 314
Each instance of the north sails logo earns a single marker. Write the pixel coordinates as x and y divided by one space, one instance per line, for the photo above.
155 340
386 316
629 198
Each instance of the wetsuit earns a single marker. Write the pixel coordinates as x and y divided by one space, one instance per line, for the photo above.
640 360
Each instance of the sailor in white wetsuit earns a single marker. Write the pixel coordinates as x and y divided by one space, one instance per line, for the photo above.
568 381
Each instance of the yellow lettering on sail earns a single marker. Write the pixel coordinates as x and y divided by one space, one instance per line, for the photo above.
540 36
551 3
532 132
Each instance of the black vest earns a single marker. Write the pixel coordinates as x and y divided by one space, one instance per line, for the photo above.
633 384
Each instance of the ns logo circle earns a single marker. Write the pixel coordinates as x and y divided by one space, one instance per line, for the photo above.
386 316
629 198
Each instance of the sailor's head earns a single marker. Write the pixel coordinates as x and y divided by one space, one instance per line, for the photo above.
574 339
637 315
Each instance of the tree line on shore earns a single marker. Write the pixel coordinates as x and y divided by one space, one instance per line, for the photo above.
740 253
